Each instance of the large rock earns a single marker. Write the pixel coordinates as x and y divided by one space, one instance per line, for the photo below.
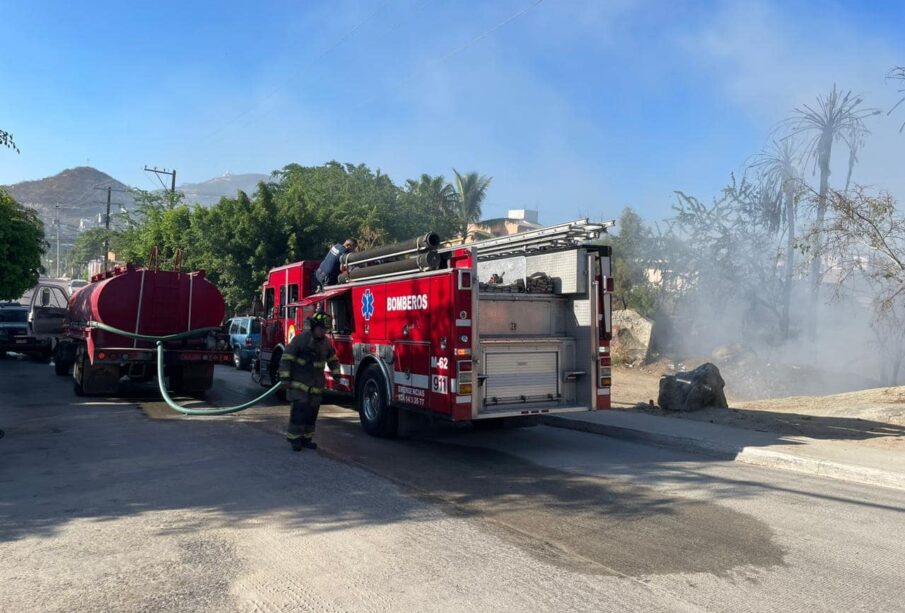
631 336
693 390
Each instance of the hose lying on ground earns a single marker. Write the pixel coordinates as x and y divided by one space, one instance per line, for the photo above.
160 340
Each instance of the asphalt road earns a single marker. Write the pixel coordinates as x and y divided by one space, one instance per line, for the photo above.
121 505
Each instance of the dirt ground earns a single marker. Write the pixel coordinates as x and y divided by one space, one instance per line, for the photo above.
875 417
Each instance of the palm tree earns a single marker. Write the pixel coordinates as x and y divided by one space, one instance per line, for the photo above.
836 117
470 189
435 191
779 183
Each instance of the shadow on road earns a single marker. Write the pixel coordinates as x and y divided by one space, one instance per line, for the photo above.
66 459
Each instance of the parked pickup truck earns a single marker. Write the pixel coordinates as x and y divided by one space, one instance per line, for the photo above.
16 336
32 325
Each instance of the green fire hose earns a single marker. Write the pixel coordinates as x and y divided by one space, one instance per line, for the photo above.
160 340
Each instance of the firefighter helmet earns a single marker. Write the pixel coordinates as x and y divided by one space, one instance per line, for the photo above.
320 319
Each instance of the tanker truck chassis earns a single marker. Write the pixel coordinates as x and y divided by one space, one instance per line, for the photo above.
145 301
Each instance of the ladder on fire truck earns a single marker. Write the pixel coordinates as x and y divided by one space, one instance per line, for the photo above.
560 237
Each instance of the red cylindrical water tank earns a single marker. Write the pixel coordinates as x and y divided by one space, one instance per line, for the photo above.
146 302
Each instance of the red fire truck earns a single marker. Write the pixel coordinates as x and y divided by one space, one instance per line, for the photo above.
419 328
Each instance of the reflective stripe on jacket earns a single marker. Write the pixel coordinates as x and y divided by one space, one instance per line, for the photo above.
303 361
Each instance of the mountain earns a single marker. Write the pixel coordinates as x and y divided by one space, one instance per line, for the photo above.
82 206
74 191
209 192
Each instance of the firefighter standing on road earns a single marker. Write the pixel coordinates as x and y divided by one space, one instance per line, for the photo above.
302 374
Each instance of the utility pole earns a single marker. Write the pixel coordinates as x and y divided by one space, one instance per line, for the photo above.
172 175
109 189
107 230
56 222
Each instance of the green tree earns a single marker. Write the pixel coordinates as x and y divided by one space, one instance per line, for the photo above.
6 140
470 189
157 220
633 289
429 202
88 246
325 204
837 117
21 247
297 215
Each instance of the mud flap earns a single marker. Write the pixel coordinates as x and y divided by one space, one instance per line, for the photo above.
191 378
97 378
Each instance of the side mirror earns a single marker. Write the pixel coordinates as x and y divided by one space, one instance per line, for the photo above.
45 297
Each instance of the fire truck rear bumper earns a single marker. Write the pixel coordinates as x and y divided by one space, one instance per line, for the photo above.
512 411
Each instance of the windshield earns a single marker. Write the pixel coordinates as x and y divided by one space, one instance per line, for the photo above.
255 326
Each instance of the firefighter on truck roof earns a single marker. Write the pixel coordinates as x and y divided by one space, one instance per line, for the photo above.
302 374
328 272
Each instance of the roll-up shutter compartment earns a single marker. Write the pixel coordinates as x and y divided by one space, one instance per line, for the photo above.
521 376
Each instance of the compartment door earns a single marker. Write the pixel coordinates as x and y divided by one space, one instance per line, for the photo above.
521 376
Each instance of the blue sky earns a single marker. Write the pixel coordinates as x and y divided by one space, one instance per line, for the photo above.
574 107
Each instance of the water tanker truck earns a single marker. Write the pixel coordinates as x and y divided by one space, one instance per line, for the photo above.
144 301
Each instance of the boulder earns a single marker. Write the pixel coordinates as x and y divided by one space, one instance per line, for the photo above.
693 390
631 336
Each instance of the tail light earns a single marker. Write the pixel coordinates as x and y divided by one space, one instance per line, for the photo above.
463 377
249 342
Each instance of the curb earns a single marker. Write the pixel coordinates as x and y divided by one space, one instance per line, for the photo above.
756 456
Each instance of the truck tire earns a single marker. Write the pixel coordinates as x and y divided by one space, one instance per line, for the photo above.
61 365
78 377
377 416
238 361
274 369
64 356
60 368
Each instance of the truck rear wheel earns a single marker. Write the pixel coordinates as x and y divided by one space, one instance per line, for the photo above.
60 368
273 367
377 416
78 375
62 359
